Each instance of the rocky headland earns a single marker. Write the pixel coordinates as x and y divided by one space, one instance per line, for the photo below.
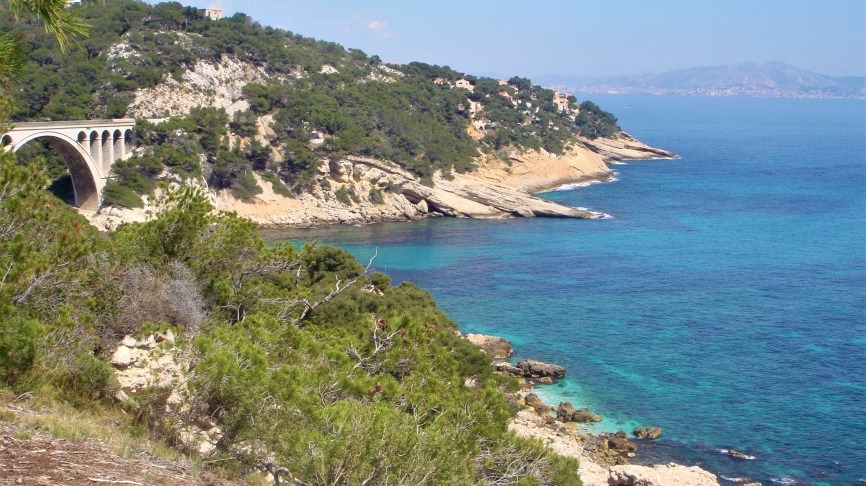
501 184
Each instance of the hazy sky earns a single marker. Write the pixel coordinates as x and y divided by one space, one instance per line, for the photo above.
600 37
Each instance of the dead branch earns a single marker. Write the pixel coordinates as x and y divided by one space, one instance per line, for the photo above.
382 341
309 307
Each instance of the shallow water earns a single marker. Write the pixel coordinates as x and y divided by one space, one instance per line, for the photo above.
725 301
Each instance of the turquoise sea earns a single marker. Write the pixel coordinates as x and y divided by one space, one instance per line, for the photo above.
724 301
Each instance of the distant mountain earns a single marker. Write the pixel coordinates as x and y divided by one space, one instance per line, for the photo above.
776 79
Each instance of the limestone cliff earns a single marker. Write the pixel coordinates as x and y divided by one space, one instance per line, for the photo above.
496 189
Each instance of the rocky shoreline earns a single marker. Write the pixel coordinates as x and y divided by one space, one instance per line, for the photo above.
603 457
502 186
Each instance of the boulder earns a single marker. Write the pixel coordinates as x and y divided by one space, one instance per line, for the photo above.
122 357
543 410
508 369
532 400
739 455
538 369
495 346
564 412
647 432
584 415
621 444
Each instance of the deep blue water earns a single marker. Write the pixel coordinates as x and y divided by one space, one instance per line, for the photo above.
724 302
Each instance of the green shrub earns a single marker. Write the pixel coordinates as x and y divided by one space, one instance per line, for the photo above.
244 186
20 339
375 196
343 196
121 196
276 184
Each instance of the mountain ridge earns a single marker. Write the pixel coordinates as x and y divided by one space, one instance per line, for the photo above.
772 79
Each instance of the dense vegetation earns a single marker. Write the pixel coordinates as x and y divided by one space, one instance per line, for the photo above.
356 103
338 387
311 364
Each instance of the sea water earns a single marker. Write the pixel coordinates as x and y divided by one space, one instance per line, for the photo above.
724 301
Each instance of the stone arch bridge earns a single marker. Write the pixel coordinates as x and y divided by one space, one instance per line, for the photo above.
88 147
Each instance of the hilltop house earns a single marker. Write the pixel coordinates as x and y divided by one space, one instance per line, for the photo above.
464 83
561 101
213 13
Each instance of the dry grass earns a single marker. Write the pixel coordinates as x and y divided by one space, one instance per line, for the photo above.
112 427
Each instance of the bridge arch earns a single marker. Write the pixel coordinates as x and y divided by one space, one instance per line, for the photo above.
87 180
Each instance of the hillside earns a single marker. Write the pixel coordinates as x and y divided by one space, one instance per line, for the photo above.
291 130
774 79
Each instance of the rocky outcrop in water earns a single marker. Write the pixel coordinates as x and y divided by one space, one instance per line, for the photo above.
537 369
566 413
647 432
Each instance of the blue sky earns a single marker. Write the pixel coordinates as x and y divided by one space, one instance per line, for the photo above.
581 38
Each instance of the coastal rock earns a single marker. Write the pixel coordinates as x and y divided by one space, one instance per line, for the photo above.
543 410
621 444
739 455
564 412
538 369
660 475
584 415
495 346
508 368
532 400
647 432
528 424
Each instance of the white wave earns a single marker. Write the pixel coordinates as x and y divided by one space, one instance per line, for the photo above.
727 452
618 163
735 480
576 185
785 480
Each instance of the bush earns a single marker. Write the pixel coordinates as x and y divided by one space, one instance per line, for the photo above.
244 186
376 196
276 184
343 196
115 194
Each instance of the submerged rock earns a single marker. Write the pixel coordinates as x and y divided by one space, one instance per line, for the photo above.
647 432
621 444
739 455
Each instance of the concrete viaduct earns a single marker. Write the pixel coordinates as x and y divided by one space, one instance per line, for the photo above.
88 147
